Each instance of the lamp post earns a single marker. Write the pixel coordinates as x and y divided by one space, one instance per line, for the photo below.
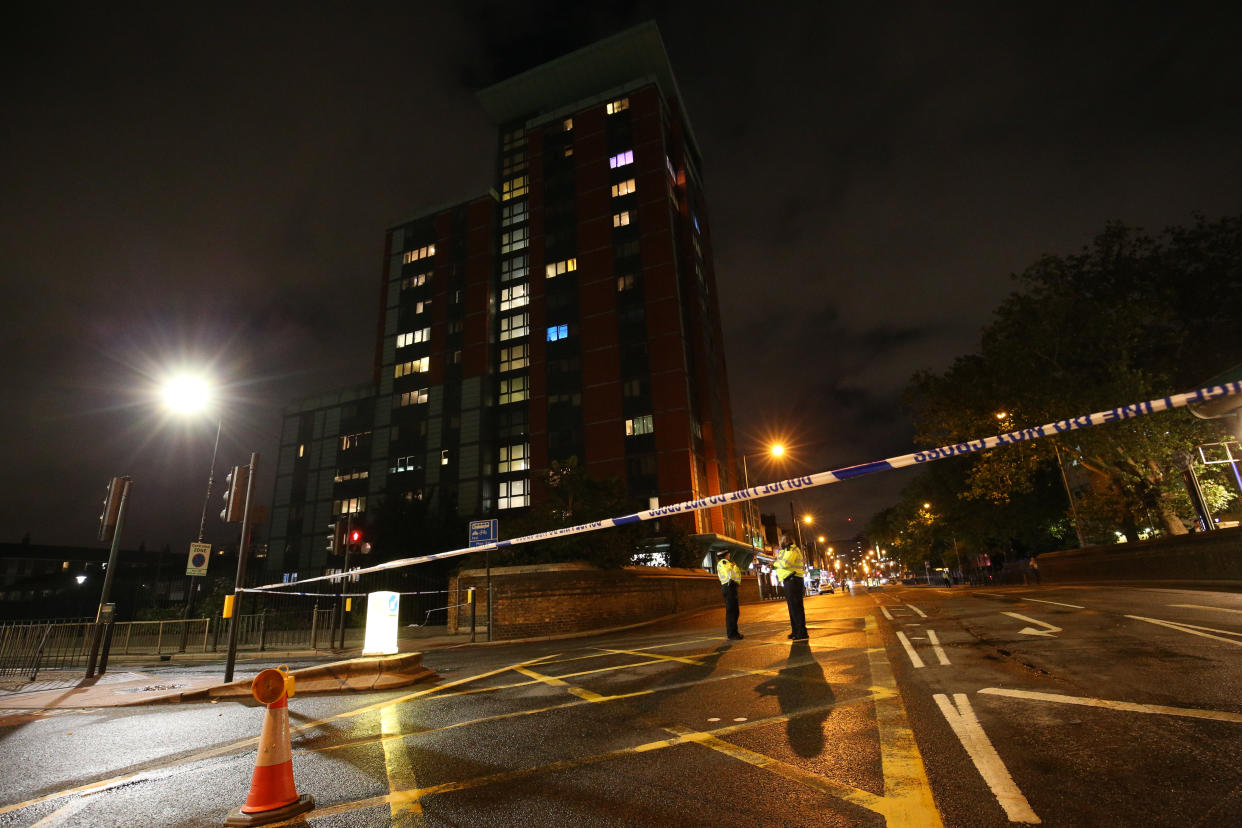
774 450
189 394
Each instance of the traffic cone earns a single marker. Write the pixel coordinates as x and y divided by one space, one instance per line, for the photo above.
273 796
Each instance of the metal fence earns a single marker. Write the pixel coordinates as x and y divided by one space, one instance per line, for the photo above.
28 647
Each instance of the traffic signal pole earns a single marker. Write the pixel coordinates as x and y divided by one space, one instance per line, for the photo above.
347 541
242 550
115 530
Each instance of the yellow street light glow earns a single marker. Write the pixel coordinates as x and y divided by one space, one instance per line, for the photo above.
926 505
777 450
187 394
806 519
822 539
1000 415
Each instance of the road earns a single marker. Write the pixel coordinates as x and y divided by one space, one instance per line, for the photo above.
909 706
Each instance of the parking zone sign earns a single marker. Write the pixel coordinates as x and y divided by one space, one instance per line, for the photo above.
200 556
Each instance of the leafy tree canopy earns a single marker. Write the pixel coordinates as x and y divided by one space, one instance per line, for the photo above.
1129 318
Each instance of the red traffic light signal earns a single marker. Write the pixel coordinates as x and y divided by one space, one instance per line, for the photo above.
355 536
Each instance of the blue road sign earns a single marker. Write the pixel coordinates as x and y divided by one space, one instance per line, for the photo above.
483 532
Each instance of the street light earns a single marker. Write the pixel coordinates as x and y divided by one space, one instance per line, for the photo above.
190 394
774 450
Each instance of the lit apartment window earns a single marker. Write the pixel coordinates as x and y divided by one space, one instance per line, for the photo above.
513 494
514 240
422 307
557 268
352 506
301 449
567 124
418 280
621 159
514 458
514 297
421 253
353 474
620 104
517 267
405 339
518 186
514 358
444 457
515 212
416 397
557 332
422 335
404 464
417 366
627 282
621 219
639 425
349 441
514 390
624 188
512 327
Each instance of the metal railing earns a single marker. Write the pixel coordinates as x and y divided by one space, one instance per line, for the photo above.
27 648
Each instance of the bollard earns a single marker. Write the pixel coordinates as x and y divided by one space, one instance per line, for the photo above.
470 601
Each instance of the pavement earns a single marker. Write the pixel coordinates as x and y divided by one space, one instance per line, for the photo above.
185 677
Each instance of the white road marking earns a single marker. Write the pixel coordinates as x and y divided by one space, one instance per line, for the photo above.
991 594
714 719
1190 628
887 614
988 762
920 613
936 648
1058 603
1047 631
1108 704
905 642
1204 606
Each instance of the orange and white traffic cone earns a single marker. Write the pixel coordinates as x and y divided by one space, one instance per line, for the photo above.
273 796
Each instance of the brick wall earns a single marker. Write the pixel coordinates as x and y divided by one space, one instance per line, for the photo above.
555 599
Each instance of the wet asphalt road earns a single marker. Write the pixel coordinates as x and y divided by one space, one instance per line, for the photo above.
909 706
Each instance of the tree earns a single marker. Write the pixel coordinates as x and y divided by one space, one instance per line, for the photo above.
1127 319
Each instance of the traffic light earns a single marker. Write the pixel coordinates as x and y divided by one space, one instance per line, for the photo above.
235 494
111 508
336 541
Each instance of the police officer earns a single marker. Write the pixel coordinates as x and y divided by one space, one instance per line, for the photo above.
790 568
730 576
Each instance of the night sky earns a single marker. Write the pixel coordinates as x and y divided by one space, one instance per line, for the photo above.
205 184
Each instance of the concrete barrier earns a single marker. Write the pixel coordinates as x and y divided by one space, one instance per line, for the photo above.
355 675
1208 558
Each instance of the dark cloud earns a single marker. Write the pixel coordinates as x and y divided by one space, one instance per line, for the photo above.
204 183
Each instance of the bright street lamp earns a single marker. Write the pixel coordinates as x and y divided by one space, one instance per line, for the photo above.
774 450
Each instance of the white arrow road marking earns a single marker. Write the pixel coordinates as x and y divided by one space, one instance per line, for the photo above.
1047 630
887 614
905 642
966 725
1192 629
921 614
936 648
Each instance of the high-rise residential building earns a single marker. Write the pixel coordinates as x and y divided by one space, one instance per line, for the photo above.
570 312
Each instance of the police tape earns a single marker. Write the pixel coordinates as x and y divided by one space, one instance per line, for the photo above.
1119 414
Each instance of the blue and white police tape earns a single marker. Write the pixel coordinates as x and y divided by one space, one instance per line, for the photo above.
810 481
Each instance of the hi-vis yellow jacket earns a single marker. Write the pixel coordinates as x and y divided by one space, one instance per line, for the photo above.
789 562
727 570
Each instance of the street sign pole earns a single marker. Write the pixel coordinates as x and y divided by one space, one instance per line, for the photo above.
483 533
